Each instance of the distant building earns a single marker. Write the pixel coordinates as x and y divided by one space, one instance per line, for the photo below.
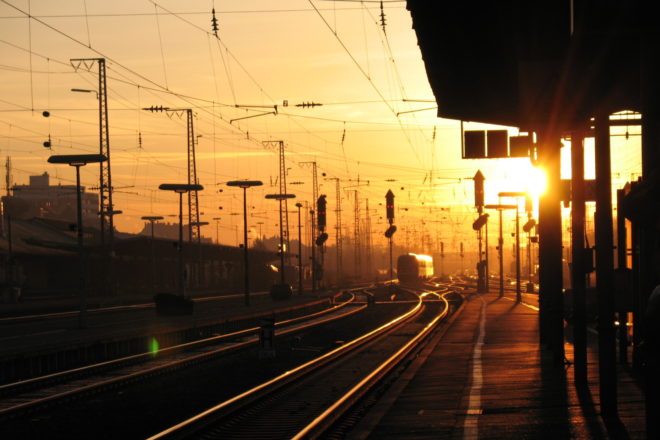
39 199
169 231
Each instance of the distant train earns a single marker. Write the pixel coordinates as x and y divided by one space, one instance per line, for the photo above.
414 267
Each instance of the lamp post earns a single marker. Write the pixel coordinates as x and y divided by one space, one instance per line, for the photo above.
300 273
527 227
501 208
200 265
181 189
281 198
79 160
152 219
312 213
245 184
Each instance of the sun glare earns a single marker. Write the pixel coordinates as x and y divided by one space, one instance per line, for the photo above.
536 182
521 176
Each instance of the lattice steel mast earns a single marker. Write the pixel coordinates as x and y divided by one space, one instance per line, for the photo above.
338 226
105 179
358 255
285 217
194 233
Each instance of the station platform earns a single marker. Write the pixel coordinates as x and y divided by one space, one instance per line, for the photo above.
485 376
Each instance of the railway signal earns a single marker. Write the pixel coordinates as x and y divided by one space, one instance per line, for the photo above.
482 264
389 210
480 222
389 205
321 206
479 191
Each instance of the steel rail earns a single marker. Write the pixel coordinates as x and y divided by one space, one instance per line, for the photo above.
171 366
321 423
217 412
146 356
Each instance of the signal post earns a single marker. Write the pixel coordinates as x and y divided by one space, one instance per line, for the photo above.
389 208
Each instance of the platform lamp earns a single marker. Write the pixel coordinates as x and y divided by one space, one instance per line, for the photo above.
77 161
181 189
244 185
501 208
152 219
300 273
517 195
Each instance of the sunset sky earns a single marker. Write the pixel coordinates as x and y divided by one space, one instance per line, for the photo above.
165 53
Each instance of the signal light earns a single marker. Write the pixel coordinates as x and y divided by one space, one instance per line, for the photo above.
390 231
321 239
529 225
321 208
480 222
389 206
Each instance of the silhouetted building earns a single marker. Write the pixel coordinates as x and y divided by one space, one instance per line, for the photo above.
39 199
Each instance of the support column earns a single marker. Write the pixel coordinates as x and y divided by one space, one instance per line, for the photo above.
605 269
550 249
647 237
578 258
623 303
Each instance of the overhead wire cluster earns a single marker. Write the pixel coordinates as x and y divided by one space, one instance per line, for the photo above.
212 115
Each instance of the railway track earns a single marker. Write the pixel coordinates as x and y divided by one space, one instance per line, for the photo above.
34 394
304 401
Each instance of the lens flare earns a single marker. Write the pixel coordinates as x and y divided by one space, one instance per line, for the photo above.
153 346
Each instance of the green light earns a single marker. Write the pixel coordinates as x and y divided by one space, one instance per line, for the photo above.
153 346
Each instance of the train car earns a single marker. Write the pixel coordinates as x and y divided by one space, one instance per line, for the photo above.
414 267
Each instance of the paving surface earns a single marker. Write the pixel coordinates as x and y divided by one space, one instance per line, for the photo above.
489 379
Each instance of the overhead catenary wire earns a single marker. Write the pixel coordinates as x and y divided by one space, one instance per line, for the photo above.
367 76
213 118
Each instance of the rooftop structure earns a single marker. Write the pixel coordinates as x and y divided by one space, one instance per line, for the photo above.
39 199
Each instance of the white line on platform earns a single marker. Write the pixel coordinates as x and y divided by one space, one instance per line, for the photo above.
524 304
471 423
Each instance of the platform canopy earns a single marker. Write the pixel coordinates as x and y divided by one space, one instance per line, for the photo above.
529 63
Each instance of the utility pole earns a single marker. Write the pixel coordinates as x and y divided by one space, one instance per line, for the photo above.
442 259
282 185
300 272
8 193
8 176
338 227
105 175
315 194
194 233
193 196
356 219
367 227
311 212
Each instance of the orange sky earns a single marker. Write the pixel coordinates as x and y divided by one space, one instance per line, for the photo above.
267 52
